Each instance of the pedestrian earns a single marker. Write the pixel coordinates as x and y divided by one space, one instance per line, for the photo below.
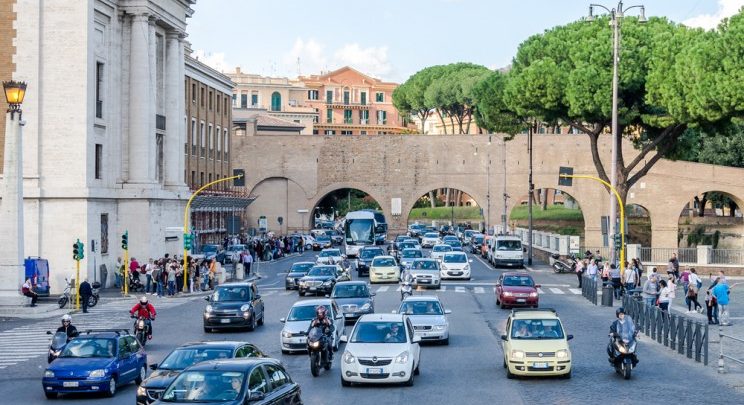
212 273
592 269
675 265
196 281
691 297
171 280
630 279
664 296
179 276
685 279
133 267
247 264
118 273
149 268
721 292
28 290
671 283
712 307
650 291
580 270
86 291
720 279
614 274
605 274
157 275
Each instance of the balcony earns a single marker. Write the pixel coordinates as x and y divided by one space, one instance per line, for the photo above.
348 106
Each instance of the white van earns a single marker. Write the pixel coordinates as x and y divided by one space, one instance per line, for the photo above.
507 251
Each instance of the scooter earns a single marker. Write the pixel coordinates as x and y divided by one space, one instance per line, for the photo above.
93 300
319 350
142 330
59 341
406 290
563 266
67 294
622 355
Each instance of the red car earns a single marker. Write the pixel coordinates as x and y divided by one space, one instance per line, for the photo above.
514 289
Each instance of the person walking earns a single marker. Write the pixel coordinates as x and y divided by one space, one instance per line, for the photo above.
685 279
721 292
592 270
157 279
171 280
118 273
86 291
664 296
580 270
636 264
691 297
149 268
712 307
605 274
650 291
630 279
671 283
212 273
247 264
28 290
614 275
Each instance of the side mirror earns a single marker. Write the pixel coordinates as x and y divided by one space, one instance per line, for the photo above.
339 316
206 298
372 294
343 339
470 260
256 396
416 339
537 285
154 366
327 296
504 338
282 320
447 311
49 332
569 337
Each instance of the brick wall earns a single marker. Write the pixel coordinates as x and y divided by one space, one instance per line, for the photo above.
7 34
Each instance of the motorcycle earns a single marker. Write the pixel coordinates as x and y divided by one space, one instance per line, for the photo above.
622 355
142 330
59 341
563 266
93 300
67 294
318 348
406 290
134 283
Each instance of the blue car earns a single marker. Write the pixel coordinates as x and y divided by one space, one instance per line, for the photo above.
96 362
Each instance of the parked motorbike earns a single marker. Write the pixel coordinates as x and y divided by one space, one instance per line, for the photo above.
622 354
142 329
67 294
563 266
59 341
318 347
93 300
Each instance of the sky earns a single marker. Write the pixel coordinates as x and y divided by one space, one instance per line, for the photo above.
393 39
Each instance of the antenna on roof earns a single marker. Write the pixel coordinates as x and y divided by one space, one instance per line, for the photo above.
299 67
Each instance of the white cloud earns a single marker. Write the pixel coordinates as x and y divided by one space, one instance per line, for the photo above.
214 60
311 55
372 61
314 57
726 8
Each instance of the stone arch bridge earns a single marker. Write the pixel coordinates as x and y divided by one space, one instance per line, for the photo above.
294 172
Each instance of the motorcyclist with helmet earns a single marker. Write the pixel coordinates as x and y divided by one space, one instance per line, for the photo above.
146 310
67 327
623 328
322 321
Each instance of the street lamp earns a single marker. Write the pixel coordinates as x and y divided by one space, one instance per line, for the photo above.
616 15
12 208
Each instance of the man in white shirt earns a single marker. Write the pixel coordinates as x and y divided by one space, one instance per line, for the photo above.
591 270
149 268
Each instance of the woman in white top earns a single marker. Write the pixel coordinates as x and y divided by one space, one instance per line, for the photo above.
694 283
664 296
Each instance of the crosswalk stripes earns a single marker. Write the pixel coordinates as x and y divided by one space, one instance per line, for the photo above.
482 290
479 290
540 291
556 290
576 291
383 288
460 289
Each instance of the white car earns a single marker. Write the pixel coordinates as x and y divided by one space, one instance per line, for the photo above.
293 337
430 239
427 316
438 251
415 241
382 348
326 255
384 269
455 265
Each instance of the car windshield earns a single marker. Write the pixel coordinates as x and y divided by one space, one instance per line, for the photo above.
323 238
537 329
370 253
508 245
518 281
209 249
424 265
304 312
468 233
351 291
330 252
421 308
411 253
379 332
89 347
225 293
301 267
478 238
383 262
321 271
431 235
179 359
407 245
455 258
450 238
454 243
442 248
205 386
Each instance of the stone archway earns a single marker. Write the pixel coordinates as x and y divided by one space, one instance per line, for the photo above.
443 205
275 198
421 190
712 218
639 224
553 210
377 195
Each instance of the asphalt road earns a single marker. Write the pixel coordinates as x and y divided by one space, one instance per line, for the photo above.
467 371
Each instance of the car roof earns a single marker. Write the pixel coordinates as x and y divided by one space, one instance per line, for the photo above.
508 237
443 244
424 259
421 298
313 263
384 257
380 318
331 250
101 335
313 302
516 273
351 283
412 249
224 344
371 248
534 313
241 364
237 284
458 252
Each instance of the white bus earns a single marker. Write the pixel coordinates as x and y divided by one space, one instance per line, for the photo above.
359 231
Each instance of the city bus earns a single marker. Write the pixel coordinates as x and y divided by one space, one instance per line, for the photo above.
359 231
381 227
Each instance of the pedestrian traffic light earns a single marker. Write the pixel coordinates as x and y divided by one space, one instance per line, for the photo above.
125 240
77 251
187 241
81 247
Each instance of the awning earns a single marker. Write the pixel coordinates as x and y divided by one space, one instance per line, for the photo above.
220 203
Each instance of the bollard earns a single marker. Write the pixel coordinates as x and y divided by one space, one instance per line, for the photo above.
721 365
607 296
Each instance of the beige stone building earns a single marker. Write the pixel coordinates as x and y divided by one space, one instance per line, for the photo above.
277 97
7 49
249 122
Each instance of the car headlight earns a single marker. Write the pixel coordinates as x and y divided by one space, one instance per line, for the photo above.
402 358
517 354
49 374
54 353
561 354
208 308
328 282
466 268
440 327
141 391
245 308
444 267
507 294
286 334
533 294
97 373
365 307
348 358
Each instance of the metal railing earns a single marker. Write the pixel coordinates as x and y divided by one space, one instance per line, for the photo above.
727 256
677 332
721 356
662 255
589 289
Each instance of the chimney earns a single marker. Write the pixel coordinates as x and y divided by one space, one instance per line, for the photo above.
237 70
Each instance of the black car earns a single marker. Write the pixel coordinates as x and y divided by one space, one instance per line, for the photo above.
234 305
233 382
322 241
354 299
476 241
295 273
320 280
186 356
366 254
400 247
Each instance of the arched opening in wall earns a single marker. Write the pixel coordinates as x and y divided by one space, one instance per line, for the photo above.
447 207
553 211
331 210
713 218
638 222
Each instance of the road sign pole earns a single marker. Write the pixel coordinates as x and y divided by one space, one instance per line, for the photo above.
77 283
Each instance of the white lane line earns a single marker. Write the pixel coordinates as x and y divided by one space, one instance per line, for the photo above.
460 289
269 292
556 291
398 289
285 293
555 285
540 291
479 290
488 266
576 291
444 288
383 289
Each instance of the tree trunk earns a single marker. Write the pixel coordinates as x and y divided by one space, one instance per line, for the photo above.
732 208
447 198
544 205
441 118
703 202
431 199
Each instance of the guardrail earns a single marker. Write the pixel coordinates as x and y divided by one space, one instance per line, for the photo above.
589 289
721 356
683 334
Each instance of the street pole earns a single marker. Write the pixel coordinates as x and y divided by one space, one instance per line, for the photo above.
531 188
126 272
77 283
506 196
615 135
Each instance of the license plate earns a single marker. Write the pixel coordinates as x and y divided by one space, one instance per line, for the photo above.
313 288
224 321
521 300
70 384
540 365
374 371
424 281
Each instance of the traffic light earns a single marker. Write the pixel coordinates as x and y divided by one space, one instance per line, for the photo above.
125 240
78 251
617 241
187 241
81 247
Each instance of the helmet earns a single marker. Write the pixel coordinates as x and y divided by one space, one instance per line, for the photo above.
619 311
143 300
66 318
320 311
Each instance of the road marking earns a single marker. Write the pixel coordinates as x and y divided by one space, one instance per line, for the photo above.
540 291
460 289
285 293
488 266
479 290
383 288
269 292
444 288
556 291
576 291
555 285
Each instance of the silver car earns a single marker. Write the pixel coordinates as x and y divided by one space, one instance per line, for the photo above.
296 324
438 251
427 316
425 273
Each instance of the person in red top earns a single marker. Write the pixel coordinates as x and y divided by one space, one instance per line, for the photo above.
145 310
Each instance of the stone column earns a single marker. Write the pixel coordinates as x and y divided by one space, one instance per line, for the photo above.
141 112
174 112
11 214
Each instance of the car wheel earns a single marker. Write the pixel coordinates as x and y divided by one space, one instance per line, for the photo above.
302 293
50 395
252 325
416 370
111 387
142 375
207 330
345 383
409 383
261 321
504 360
445 342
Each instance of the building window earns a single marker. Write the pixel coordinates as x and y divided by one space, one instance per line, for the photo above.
254 99
364 116
346 133
210 99
202 96
347 97
330 132
193 178
219 144
224 111
347 117
315 119
380 97
243 100
363 97
210 177
381 117
312 94
104 234
99 90
363 133
99 161
276 101
226 140
218 102
202 138
193 93
161 159
329 96
194 140
329 116
235 101
211 141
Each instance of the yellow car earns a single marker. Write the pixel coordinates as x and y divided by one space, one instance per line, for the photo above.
384 269
535 344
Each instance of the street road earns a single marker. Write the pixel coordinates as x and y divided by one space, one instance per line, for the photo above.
468 371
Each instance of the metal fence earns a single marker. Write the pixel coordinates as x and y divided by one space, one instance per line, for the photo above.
589 289
721 356
662 255
727 256
680 333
